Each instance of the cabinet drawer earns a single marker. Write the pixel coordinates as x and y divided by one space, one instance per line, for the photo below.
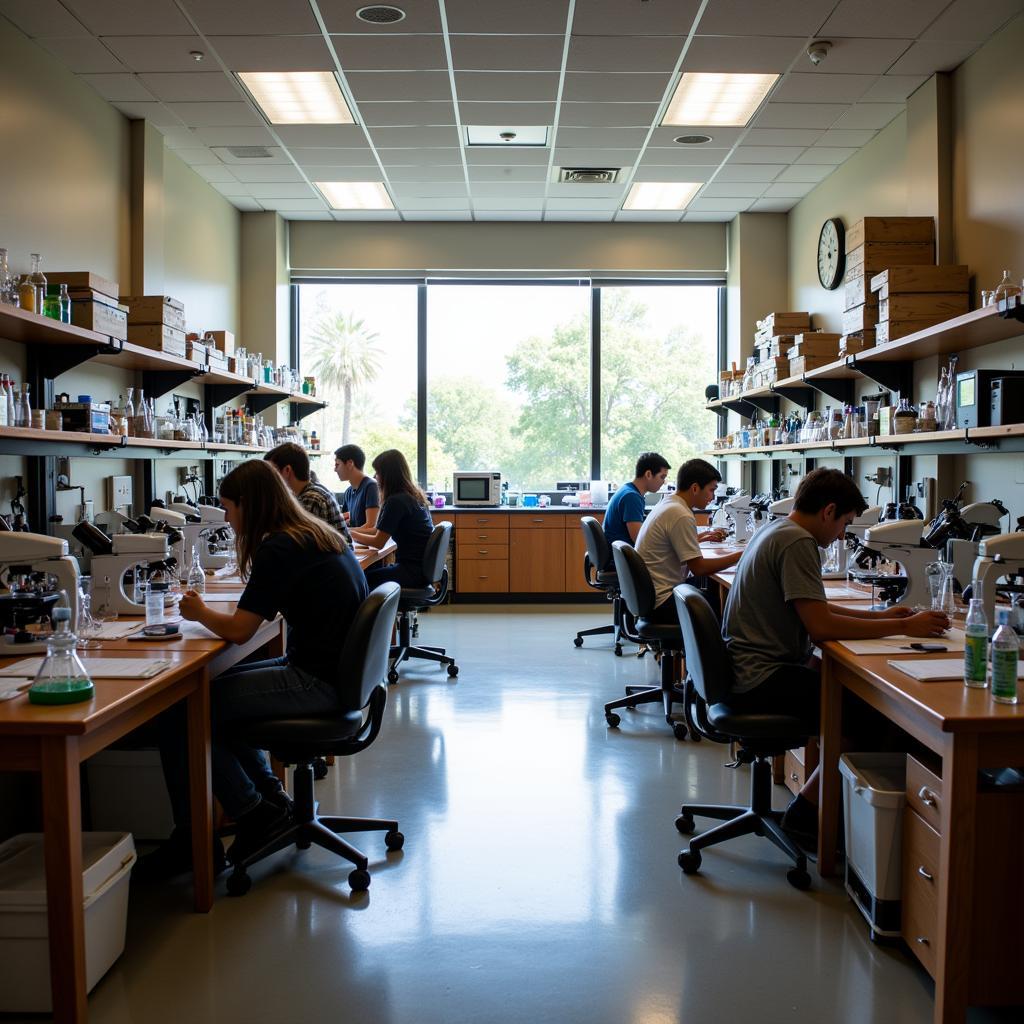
795 772
542 521
924 793
474 520
920 925
480 577
481 550
484 535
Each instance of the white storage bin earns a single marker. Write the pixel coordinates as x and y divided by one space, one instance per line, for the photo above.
107 859
874 791
127 793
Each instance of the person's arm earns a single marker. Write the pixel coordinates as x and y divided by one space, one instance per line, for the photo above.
236 627
823 622
686 544
371 519
633 529
897 612
371 507
709 566
371 538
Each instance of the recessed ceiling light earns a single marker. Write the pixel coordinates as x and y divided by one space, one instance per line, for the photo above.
715 98
355 195
692 140
661 195
298 97
506 135
380 14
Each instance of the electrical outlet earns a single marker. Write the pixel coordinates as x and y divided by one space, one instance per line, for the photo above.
186 474
119 491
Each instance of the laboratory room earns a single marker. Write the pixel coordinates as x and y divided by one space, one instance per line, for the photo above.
511 512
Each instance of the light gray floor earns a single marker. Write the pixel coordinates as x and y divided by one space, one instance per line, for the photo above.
538 881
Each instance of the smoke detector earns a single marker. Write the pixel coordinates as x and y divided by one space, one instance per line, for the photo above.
818 51
692 140
249 152
588 175
380 14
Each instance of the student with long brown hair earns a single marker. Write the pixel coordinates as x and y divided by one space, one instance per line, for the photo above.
299 567
404 516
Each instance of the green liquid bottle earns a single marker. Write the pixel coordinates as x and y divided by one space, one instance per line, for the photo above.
1005 654
976 644
51 303
61 678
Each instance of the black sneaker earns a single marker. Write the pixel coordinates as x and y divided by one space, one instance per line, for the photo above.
257 827
280 798
173 857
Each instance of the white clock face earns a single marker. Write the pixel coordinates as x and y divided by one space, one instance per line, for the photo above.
828 255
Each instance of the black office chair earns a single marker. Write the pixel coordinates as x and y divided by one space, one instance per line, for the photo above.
352 728
416 599
760 738
638 593
599 572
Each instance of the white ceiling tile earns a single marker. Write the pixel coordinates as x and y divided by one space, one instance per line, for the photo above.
882 18
825 155
847 137
506 114
893 88
259 17
274 53
512 172
403 138
685 156
762 54
409 113
573 216
321 135
81 54
318 172
871 56
435 203
235 136
507 86
276 156
368 86
733 190
596 87
869 115
430 189
191 87
749 172
773 205
212 115
115 17
495 156
789 189
607 115
155 113
232 188
766 154
420 174
779 18
696 217
340 16
321 214
801 87
196 157
506 53
253 172
216 173
502 190
968 19
244 203
180 138
719 205
807 172
436 215
927 56
615 18
799 115
597 195
783 136
293 204
352 156
584 204
599 138
119 87
513 215
390 52
657 172
284 190
155 53
417 156
345 215
722 137
523 16
650 215
42 18
617 53
506 203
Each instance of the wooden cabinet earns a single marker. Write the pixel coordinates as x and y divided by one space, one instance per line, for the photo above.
536 559
575 549
920 922
475 576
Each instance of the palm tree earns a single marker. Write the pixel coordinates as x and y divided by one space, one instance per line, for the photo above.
345 357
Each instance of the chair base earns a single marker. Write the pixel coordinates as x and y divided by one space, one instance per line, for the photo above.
668 693
614 628
405 649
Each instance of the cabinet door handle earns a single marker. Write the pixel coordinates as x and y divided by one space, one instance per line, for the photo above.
927 797
481 552
922 940
924 874
794 777
538 520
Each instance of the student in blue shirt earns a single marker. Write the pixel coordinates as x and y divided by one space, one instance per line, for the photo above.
361 502
625 513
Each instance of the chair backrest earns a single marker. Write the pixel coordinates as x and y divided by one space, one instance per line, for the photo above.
599 551
364 658
436 551
707 658
635 582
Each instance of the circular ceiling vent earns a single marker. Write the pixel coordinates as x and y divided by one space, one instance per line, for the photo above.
692 140
380 14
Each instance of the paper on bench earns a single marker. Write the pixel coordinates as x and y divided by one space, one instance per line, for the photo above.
929 670
952 641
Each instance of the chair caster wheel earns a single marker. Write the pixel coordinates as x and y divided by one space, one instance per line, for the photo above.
239 883
453 670
618 650
680 731
577 641
689 861
394 840
302 844
612 719
392 675
359 880
320 769
694 734
798 878
685 824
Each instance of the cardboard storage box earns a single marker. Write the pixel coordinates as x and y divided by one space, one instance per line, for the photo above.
801 364
155 309
860 318
770 371
856 341
103 317
197 352
815 343
157 336
84 417
225 341
891 330
83 279
889 229
942 278
873 257
931 306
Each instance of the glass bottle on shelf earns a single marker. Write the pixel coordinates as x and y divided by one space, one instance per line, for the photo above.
8 287
51 303
905 418
129 414
27 293
65 305
12 412
1007 288
38 280
24 408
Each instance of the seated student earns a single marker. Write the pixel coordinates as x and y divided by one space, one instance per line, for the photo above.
361 502
669 542
777 609
404 516
300 568
292 462
625 512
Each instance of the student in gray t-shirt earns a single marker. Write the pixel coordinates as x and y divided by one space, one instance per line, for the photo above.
777 609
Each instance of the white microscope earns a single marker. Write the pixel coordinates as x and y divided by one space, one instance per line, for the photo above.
129 550
781 508
854 538
25 554
747 515
984 517
900 541
189 532
998 558
217 540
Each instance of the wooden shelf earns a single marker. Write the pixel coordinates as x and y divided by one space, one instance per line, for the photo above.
925 437
59 436
247 448
32 328
138 357
152 442
307 400
226 377
994 433
838 370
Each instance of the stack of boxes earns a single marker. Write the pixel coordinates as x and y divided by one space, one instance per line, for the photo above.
156 322
912 298
94 303
775 335
811 350
874 244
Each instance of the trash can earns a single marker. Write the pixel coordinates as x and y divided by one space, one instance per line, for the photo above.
107 859
874 791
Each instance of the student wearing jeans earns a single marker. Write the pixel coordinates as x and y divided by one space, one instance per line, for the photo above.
777 609
296 566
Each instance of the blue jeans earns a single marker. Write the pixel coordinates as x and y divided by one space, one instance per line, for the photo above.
241 774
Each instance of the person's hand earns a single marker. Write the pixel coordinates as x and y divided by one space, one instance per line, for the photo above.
712 536
900 611
927 623
191 605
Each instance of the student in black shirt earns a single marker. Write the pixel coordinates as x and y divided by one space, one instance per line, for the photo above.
296 566
404 516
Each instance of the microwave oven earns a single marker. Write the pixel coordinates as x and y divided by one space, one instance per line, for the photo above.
477 489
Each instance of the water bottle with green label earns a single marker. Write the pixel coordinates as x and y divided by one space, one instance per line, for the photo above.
976 644
1005 652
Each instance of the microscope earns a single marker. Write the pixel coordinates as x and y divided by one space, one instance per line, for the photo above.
902 541
35 568
130 556
188 526
747 514
781 508
998 558
216 539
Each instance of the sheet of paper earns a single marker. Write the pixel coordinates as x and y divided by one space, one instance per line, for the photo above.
212 596
930 670
98 668
952 641
116 630
195 631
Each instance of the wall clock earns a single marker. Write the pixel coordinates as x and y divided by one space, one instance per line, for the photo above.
831 253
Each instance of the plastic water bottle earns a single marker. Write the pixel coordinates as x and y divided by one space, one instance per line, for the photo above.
61 678
1005 652
196 577
155 603
976 644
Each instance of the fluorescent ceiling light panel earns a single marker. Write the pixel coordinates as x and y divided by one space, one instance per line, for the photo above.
717 98
355 195
298 97
506 135
661 195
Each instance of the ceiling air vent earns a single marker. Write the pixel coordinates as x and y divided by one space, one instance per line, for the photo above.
589 175
380 14
249 152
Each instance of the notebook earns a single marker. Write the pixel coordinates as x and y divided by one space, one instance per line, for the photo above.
928 670
952 641
98 668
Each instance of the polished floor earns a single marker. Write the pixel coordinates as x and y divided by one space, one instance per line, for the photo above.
538 881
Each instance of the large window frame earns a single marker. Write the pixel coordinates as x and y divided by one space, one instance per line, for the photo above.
595 285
